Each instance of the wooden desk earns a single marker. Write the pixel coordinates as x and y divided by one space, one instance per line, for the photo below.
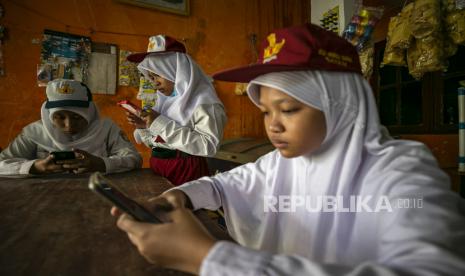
56 226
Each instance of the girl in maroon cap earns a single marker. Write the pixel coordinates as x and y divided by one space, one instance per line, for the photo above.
338 196
186 123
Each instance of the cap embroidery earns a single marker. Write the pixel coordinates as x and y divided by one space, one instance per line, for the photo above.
271 52
152 45
65 89
335 58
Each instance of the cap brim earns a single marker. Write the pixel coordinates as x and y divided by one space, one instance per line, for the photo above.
137 57
248 73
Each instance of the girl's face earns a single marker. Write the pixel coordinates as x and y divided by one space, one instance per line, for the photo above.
163 85
69 122
293 127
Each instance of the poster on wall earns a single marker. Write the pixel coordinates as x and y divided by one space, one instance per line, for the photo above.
63 55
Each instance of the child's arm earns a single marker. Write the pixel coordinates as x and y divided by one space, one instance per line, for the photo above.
122 155
232 259
202 140
428 240
18 157
143 135
410 241
184 244
211 192
181 244
406 247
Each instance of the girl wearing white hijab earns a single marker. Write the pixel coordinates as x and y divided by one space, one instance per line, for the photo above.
186 124
337 197
70 122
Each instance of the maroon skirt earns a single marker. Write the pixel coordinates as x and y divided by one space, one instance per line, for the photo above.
181 168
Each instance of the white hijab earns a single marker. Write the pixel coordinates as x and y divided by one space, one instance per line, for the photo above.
351 116
357 158
191 84
91 139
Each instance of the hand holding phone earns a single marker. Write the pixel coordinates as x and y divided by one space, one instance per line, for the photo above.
149 116
45 166
102 187
63 155
84 162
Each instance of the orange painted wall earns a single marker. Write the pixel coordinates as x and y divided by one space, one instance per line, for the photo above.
216 34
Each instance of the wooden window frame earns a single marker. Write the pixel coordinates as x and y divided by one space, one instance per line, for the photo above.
432 85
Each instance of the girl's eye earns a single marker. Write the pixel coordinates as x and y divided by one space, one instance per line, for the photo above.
290 111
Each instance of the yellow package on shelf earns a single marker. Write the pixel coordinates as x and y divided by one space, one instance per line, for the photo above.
455 26
425 18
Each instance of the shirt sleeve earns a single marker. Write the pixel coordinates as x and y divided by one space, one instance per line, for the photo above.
418 257
122 155
228 259
143 135
18 157
202 139
223 189
410 241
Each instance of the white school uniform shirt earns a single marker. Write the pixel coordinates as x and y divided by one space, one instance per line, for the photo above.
200 136
102 138
357 159
194 119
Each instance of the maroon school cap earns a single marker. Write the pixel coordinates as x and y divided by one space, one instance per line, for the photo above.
159 44
300 48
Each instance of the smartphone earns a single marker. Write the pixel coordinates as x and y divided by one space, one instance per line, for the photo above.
63 155
134 109
102 187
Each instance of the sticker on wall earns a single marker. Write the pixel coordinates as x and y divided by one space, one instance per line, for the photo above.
128 73
240 88
330 20
147 93
148 104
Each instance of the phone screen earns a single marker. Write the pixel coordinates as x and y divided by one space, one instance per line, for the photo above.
134 109
101 186
63 155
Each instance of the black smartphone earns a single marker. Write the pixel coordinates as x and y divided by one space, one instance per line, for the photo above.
102 186
63 155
